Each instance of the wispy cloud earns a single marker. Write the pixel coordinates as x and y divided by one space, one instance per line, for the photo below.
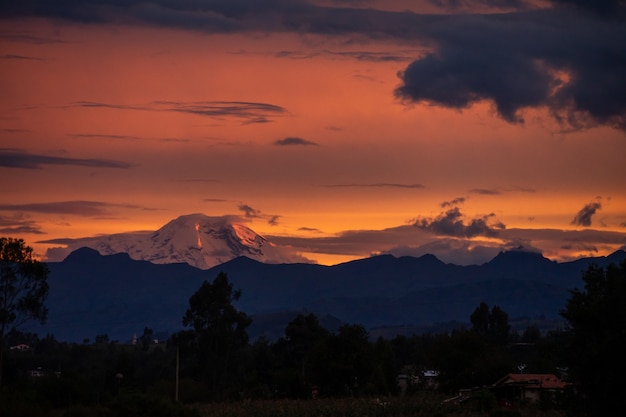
291 141
366 56
77 208
21 57
25 38
485 191
252 213
583 217
15 158
500 191
250 112
376 185
453 202
101 136
17 225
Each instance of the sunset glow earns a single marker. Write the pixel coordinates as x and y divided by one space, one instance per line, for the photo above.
343 129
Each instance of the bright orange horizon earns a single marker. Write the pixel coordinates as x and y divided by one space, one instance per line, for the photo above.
125 124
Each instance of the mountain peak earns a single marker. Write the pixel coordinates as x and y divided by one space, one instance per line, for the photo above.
197 239
518 257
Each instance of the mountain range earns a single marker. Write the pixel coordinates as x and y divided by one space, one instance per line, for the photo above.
199 240
93 294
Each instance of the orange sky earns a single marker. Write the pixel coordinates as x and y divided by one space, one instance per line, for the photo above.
115 109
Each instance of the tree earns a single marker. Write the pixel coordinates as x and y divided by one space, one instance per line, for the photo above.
219 330
597 339
493 326
23 288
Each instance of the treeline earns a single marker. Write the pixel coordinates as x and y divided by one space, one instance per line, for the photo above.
307 361
213 360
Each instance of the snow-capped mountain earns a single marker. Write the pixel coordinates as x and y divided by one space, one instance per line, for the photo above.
196 239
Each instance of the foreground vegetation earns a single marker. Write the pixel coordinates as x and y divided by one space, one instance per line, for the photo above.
139 405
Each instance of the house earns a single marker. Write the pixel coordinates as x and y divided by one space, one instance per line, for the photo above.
22 347
516 388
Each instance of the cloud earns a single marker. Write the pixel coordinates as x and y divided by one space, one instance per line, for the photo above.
564 61
252 213
484 191
15 158
454 202
451 223
101 136
24 38
500 191
460 252
78 207
568 60
583 217
364 56
290 141
376 185
20 57
600 7
249 212
273 220
17 225
251 112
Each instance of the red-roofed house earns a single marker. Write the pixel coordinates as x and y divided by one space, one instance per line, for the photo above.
527 387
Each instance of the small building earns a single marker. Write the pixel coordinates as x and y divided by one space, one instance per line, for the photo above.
515 388
21 347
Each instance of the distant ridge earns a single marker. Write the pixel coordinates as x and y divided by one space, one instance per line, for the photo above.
92 294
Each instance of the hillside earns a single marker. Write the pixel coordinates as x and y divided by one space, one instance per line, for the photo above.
93 294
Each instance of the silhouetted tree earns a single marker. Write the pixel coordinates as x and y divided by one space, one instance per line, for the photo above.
597 335
219 329
302 359
23 288
492 325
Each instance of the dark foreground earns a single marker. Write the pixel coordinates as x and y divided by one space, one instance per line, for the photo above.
426 404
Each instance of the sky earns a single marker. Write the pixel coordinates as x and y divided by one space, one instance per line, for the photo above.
342 128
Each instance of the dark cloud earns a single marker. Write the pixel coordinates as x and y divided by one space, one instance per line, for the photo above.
451 223
14 158
583 217
569 60
78 207
470 4
454 202
600 7
563 61
376 185
290 141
